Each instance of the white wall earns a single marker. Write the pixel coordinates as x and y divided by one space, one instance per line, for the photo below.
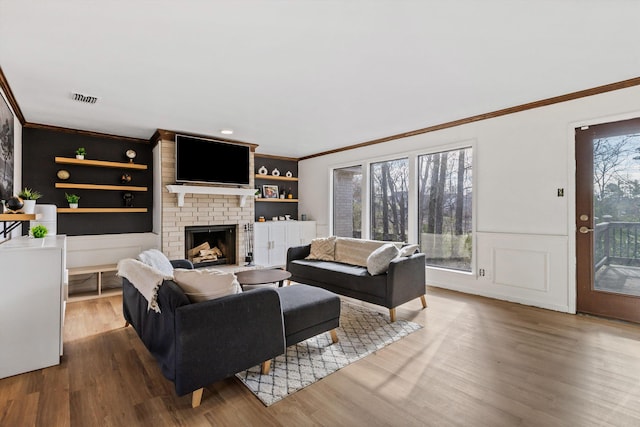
524 233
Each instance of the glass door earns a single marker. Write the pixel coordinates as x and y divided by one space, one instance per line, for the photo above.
608 219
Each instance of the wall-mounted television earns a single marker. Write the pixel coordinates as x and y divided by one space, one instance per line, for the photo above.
210 161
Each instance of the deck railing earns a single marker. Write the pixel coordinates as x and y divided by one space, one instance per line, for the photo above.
618 243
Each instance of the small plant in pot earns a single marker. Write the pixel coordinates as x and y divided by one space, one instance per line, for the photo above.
29 197
72 199
39 231
80 153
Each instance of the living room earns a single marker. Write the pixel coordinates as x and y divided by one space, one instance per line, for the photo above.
523 269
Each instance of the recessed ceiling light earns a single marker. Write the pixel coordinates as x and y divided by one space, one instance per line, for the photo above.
226 131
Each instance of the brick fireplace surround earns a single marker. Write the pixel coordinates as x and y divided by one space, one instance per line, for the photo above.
198 209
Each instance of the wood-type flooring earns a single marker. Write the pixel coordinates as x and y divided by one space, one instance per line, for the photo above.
476 362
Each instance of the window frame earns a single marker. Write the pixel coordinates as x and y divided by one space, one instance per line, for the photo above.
412 214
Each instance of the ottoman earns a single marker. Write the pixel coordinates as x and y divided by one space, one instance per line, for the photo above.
308 311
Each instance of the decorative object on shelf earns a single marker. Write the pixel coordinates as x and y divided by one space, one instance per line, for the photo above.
63 174
125 178
39 231
287 217
262 170
128 200
275 218
283 194
72 199
275 172
281 218
258 192
131 154
289 194
288 174
261 219
14 204
303 217
270 191
29 197
80 153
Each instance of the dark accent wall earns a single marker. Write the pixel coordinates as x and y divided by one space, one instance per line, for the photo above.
271 209
40 146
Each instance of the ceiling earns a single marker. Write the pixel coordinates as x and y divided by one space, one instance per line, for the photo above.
304 76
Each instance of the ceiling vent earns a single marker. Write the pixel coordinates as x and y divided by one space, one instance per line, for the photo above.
87 99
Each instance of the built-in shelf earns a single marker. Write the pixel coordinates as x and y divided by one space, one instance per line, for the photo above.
181 190
99 187
277 200
102 210
275 178
100 163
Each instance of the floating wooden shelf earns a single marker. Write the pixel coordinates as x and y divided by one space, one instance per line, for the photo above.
100 163
17 217
275 178
99 187
260 199
102 210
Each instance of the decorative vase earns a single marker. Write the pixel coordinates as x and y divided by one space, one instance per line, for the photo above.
73 205
29 206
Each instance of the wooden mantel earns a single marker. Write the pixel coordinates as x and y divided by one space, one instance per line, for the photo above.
181 190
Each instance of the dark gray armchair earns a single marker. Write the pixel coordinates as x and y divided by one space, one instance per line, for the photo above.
197 344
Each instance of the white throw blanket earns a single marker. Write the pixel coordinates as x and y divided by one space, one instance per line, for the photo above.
146 279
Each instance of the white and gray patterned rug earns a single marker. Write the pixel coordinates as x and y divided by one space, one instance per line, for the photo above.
361 332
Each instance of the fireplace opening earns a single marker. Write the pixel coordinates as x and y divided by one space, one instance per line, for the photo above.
210 245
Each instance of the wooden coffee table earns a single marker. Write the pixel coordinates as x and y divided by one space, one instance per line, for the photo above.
262 276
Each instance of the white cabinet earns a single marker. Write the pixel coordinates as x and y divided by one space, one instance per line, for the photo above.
272 239
33 291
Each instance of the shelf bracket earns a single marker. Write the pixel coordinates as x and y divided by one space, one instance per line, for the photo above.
9 228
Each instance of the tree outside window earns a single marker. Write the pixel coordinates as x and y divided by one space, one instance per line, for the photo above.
389 200
445 208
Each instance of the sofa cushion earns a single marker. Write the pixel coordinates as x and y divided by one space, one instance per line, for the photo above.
356 251
206 283
157 260
378 261
347 276
323 248
408 250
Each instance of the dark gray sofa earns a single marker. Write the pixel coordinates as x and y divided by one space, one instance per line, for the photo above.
404 281
197 344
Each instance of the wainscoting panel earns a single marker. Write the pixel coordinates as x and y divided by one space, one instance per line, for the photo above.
83 251
524 268
521 268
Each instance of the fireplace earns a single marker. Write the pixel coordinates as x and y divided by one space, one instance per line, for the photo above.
208 245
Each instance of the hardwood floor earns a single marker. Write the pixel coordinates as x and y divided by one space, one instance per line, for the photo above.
477 362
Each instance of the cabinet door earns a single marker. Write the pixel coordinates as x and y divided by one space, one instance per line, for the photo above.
293 233
278 237
261 243
307 232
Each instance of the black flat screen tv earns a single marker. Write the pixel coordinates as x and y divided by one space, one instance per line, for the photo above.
209 161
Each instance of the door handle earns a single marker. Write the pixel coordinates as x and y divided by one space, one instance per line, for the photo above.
585 230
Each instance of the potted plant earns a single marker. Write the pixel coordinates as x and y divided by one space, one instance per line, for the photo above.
39 231
72 199
80 153
29 197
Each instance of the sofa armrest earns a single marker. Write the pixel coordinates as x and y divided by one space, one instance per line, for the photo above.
182 263
297 252
406 279
216 339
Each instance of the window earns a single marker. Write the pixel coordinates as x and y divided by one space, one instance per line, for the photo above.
445 208
347 202
389 200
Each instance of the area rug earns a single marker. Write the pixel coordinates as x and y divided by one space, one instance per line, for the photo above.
361 332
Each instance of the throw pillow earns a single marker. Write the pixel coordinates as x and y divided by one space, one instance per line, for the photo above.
206 283
408 250
323 248
157 260
378 261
